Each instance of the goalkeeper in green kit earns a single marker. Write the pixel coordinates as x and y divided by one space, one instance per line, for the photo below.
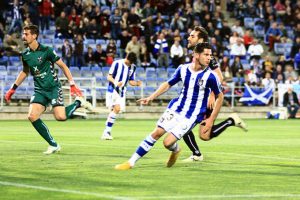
38 60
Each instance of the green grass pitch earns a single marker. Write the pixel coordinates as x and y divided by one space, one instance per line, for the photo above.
263 163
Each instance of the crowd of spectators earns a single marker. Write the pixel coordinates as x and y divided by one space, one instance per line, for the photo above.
157 32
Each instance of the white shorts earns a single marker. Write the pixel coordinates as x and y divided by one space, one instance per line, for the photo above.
175 123
113 98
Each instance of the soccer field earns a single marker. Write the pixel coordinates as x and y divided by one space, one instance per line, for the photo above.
263 163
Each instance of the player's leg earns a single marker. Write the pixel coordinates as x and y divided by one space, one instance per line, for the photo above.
216 130
190 141
114 102
144 147
170 142
35 111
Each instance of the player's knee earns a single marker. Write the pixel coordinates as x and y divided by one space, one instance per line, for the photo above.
32 117
117 109
60 117
167 144
204 137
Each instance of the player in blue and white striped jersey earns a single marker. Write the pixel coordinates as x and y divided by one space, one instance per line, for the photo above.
121 72
185 111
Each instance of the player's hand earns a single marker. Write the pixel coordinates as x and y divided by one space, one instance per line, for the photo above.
139 83
205 126
144 101
75 91
211 101
119 84
8 94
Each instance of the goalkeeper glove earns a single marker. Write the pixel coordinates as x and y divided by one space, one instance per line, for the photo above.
213 64
8 94
75 91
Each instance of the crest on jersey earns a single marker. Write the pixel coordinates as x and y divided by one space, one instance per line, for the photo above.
200 82
40 59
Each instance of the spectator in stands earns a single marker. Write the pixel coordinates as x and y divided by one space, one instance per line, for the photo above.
159 23
125 38
17 21
67 52
59 7
250 10
252 79
105 29
13 45
93 30
256 67
124 21
260 10
61 25
290 100
273 34
238 49
134 22
268 82
145 54
46 12
238 71
115 21
238 28
177 22
100 56
278 71
161 50
296 47
297 62
267 64
74 17
78 51
147 11
248 38
216 48
135 47
255 50
176 53
111 51
290 73
279 8
234 38
89 57
225 31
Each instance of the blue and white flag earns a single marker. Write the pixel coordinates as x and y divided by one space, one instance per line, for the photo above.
256 96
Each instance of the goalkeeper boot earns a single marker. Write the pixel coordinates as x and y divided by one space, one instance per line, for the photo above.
84 104
52 149
238 122
173 157
193 158
123 166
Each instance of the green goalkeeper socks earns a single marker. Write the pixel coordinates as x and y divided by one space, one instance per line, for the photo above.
70 109
43 130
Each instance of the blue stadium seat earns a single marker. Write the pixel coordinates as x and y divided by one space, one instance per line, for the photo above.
12 70
86 72
75 71
105 71
248 22
148 90
259 31
279 48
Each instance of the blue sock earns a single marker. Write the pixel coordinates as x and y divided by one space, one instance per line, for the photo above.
142 150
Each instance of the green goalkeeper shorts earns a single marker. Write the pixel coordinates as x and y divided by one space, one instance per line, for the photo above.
52 97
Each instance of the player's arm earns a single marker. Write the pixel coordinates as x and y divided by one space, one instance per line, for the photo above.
19 80
165 86
114 81
135 83
74 89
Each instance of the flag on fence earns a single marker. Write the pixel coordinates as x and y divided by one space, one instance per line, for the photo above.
256 96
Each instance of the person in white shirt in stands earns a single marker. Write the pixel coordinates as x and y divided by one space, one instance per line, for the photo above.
268 82
176 52
237 28
238 49
255 50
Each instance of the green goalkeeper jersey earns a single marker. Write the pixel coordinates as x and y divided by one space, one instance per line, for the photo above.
40 63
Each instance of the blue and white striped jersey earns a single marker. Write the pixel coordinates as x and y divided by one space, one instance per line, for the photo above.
192 101
121 72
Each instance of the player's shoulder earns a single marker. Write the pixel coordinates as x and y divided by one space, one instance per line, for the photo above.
25 51
45 47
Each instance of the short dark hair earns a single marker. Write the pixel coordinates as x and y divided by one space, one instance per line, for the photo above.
34 29
199 48
202 33
131 57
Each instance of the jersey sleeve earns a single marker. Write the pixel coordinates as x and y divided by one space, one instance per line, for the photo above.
26 68
214 84
176 77
132 75
113 68
52 56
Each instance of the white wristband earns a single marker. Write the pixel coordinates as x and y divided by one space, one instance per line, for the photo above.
71 82
116 83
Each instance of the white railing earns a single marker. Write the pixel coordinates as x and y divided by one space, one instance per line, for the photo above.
1 94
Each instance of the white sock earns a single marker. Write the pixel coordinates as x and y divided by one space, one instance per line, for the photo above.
111 118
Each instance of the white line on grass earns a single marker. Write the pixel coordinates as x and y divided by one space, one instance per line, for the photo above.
150 197
118 147
20 185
